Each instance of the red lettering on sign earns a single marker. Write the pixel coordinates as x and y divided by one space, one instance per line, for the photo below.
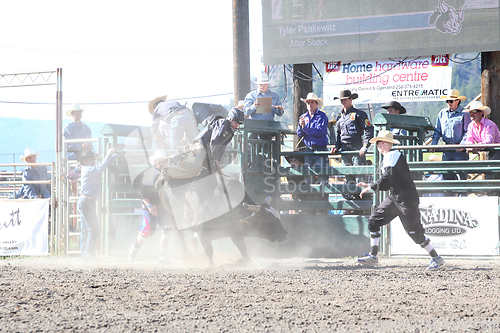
332 66
441 60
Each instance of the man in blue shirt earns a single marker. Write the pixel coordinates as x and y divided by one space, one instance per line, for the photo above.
76 130
33 173
313 128
89 194
451 127
251 101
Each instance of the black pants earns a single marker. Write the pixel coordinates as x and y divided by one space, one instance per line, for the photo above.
388 210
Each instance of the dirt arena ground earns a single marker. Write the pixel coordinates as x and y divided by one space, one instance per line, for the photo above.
273 295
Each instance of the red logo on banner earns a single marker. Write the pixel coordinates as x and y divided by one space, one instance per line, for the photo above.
440 60
332 66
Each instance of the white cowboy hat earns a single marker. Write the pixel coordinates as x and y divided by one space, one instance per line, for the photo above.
384 135
477 105
313 97
455 94
153 103
28 152
158 156
262 79
75 107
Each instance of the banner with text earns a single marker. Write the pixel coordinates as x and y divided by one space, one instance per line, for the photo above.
24 227
417 80
465 226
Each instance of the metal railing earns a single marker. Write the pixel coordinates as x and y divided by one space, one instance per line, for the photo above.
9 188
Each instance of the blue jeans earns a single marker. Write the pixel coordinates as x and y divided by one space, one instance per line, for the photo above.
493 156
352 160
316 161
312 161
90 227
455 156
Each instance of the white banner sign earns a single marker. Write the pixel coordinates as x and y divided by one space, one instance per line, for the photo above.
24 227
465 226
381 81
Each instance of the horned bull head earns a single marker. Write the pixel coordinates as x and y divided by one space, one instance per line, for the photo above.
446 18
265 222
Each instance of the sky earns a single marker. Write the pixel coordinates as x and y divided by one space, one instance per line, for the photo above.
114 54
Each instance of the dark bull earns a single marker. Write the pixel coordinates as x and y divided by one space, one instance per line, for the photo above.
217 206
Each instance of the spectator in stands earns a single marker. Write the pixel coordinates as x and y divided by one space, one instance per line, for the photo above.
354 132
252 103
76 129
395 108
154 214
451 128
481 130
90 193
313 129
33 173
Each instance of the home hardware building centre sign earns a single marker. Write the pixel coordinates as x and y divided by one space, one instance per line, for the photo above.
422 79
464 226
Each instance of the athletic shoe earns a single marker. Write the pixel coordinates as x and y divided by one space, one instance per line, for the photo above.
436 263
368 259
133 253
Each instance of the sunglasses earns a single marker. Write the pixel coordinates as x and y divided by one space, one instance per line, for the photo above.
475 111
451 101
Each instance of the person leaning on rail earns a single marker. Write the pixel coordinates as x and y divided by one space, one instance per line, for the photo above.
76 129
451 128
33 173
395 108
481 130
251 103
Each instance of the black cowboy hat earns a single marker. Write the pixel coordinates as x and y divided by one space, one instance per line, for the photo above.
344 94
396 105
288 158
86 154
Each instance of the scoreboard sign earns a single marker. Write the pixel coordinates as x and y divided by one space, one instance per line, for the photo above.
304 31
